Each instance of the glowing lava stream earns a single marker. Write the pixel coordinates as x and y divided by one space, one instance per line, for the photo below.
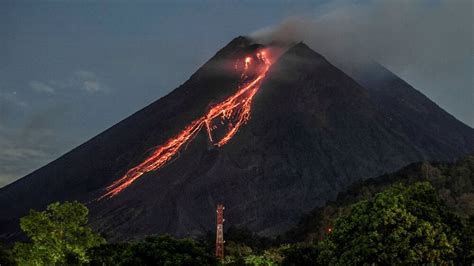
237 107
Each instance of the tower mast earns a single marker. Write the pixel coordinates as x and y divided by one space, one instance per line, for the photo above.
220 232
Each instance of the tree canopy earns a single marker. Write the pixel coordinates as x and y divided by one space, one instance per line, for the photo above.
153 250
57 235
402 225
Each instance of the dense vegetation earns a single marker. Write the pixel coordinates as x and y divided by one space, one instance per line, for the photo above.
402 226
422 214
153 250
58 235
454 183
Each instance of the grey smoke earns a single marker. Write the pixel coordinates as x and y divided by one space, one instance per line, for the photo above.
427 43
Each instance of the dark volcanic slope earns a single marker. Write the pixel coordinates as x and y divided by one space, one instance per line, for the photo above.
83 172
313 132
433 131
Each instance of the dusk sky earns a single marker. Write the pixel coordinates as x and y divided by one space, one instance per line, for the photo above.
71 69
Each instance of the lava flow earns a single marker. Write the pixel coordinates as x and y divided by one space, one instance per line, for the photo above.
235 110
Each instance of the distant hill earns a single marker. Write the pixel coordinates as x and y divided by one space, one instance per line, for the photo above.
454 182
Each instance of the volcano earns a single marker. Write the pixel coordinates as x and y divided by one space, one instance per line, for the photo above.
270 133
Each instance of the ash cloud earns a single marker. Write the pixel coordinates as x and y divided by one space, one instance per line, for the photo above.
427 43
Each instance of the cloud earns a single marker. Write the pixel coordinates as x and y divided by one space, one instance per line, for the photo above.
41 87
81 79
10 105
398 32
11 98
33 134
89 82
21 151
17 160
427 43
92 86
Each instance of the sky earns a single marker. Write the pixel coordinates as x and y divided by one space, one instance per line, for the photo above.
71 69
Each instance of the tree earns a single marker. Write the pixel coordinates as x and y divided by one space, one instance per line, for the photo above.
236 252
300 254
402 225
466 255
153 250
109 254
6 258
259 260
247 237
58 235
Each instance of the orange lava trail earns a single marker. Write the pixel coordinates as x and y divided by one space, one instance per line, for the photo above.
237 107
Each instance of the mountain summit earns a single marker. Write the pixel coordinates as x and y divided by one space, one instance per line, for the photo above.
271 137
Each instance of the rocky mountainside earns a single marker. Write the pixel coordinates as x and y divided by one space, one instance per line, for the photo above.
313 132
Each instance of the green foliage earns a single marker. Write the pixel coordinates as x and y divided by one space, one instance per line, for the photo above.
466 254
240 244
270 257
109 254
235 253
276 254
6 256
427 220
153 250
300 254
58 235
248 238
454 183
398 226
259 260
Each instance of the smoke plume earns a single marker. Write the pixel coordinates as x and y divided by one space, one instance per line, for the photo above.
427 43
